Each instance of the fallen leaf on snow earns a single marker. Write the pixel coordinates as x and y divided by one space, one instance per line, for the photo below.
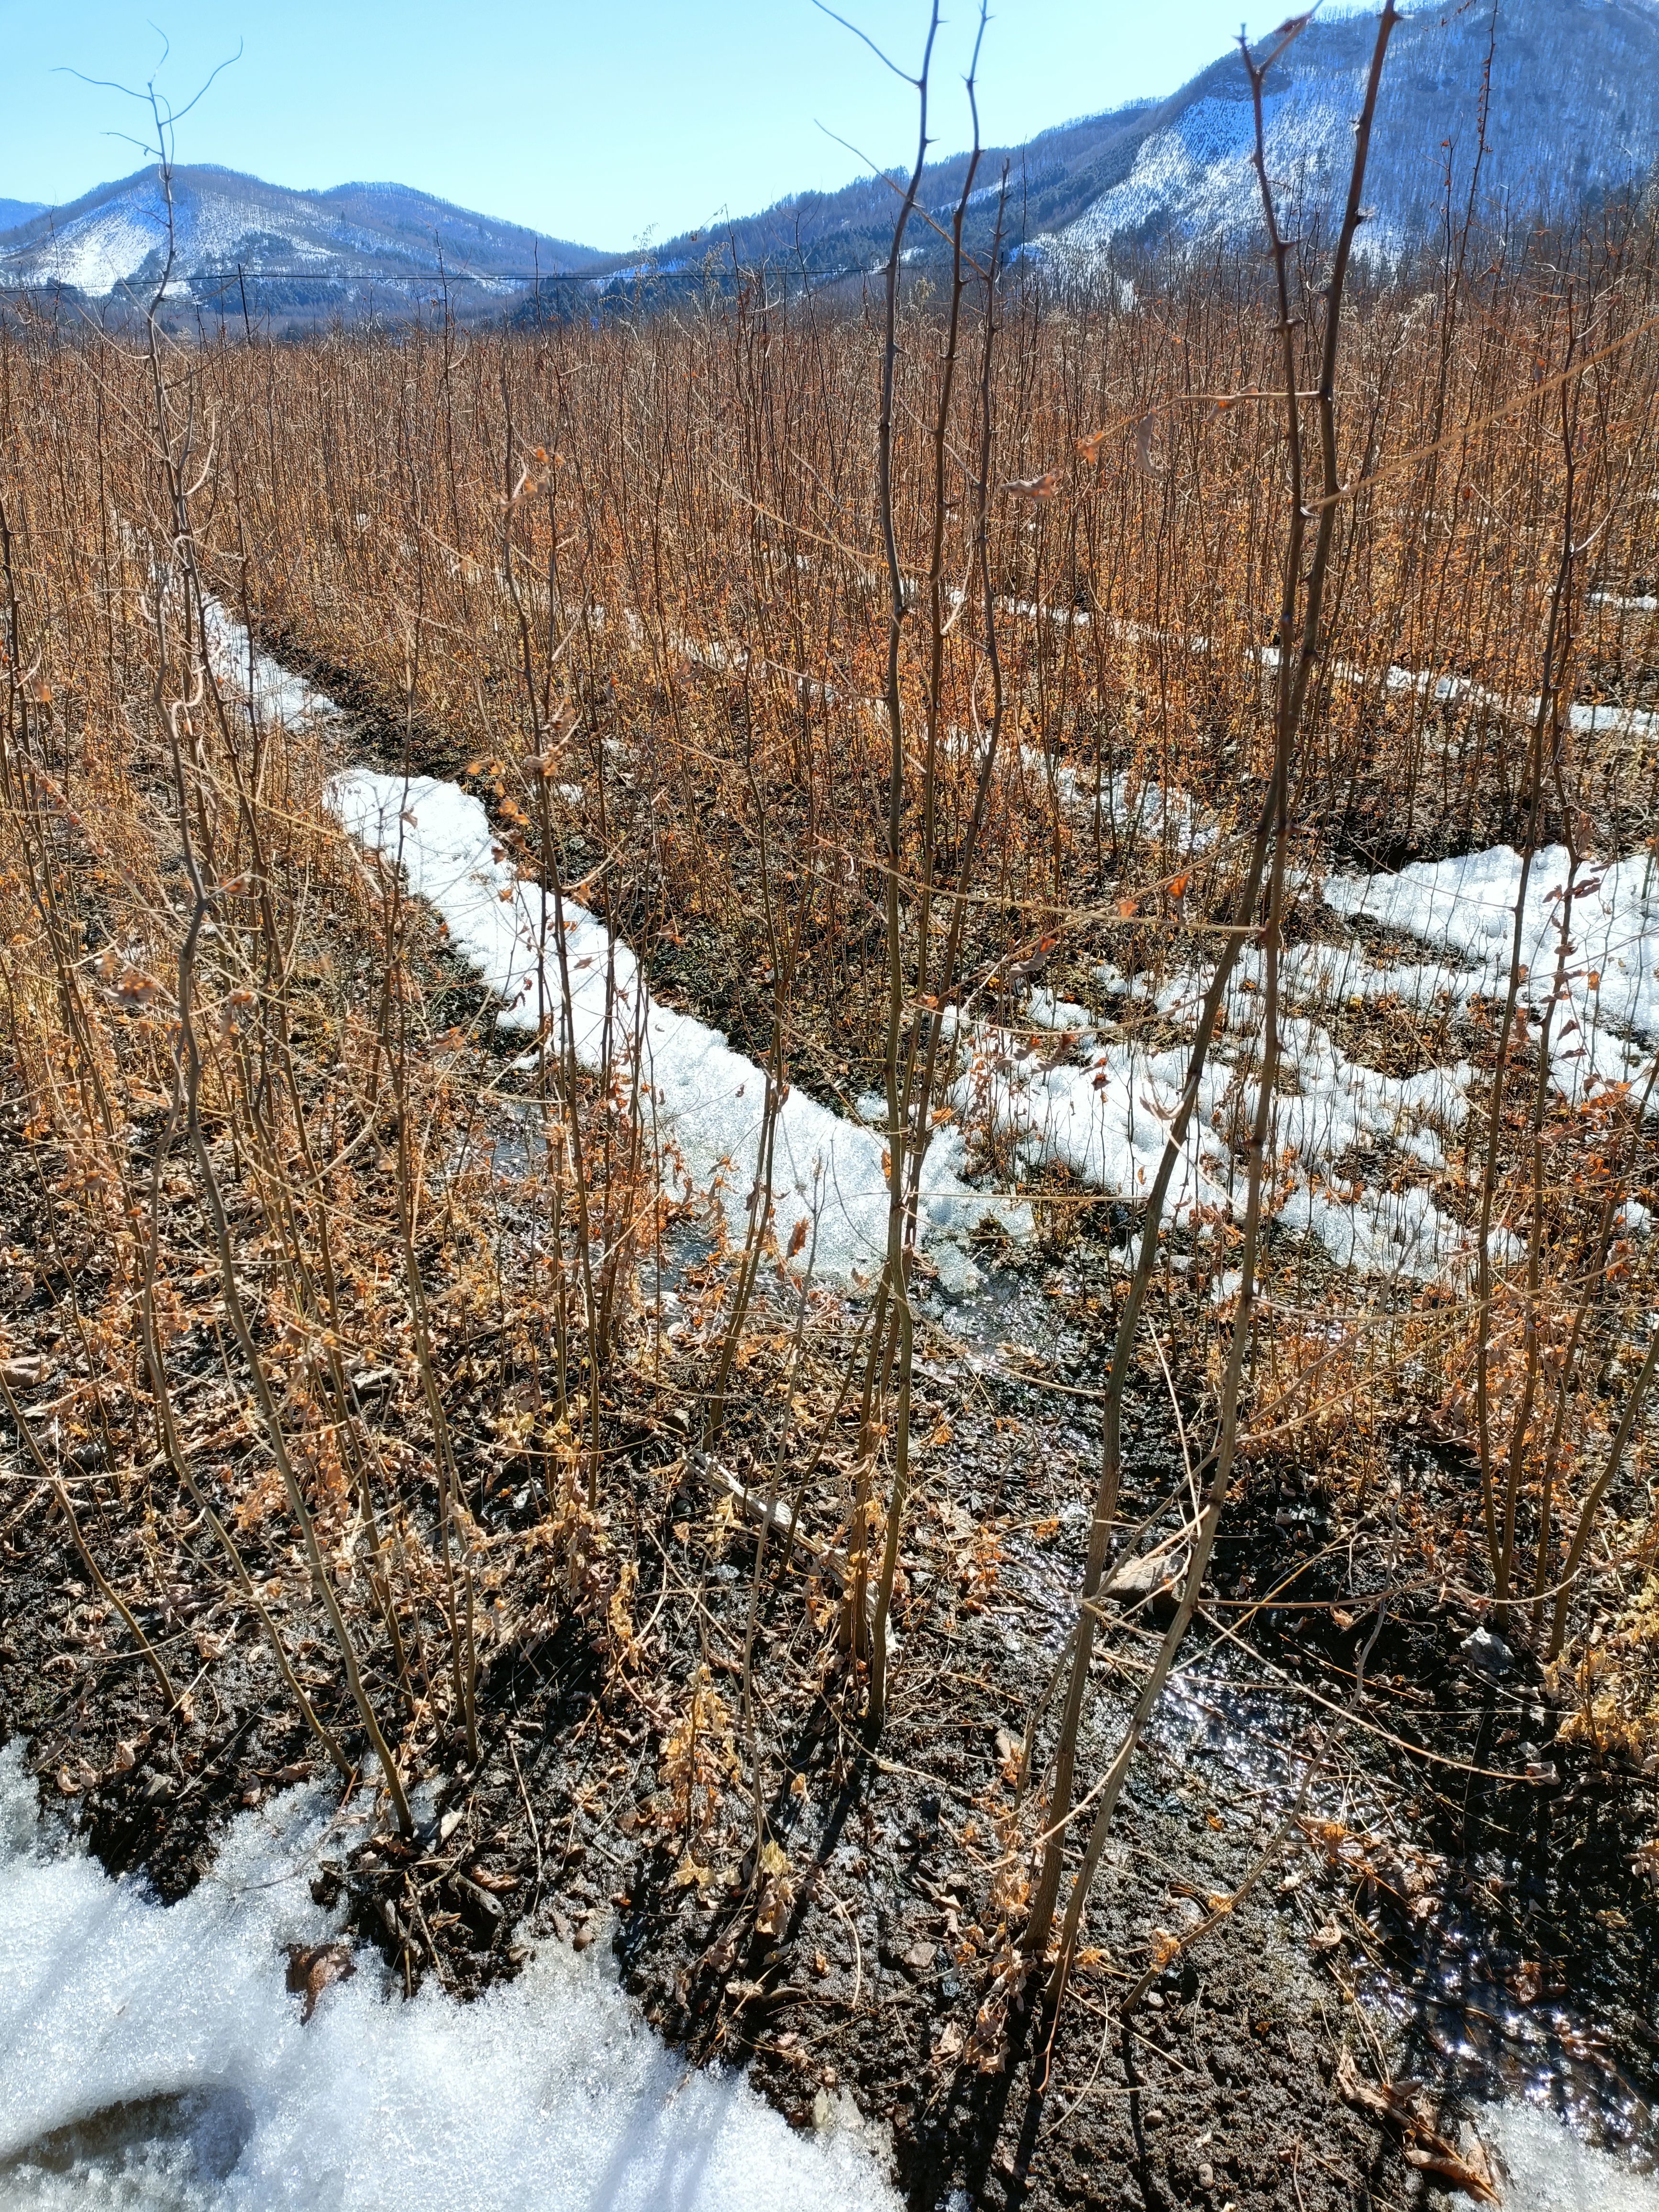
312 1967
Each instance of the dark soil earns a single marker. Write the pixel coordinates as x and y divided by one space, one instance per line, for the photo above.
1438 1910
876 1950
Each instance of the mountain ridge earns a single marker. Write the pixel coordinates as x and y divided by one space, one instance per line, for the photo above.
1178 171
1569 89
305 249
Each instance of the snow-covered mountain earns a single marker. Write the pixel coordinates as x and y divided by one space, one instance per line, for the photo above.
1573 114
298 250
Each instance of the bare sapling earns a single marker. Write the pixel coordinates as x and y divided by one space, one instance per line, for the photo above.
910 1082
891 1338
176 455
1302 643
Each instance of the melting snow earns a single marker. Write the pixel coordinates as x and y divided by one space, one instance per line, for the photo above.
1610 1001
550 2091
1546 2169
709 1101
710 1098
269 692
1106 1121
150 2056
1356 1147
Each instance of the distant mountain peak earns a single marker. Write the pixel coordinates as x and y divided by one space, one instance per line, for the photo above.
1572 114
304 252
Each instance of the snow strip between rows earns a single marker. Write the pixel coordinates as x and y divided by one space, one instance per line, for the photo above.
705 1102
709 1101
1358 1147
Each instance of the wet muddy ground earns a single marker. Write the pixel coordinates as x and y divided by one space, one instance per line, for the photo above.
1400 1903
1396 1868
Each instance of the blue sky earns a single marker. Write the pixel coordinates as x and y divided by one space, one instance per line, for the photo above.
595 120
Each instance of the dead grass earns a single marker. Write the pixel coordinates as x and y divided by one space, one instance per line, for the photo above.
691 665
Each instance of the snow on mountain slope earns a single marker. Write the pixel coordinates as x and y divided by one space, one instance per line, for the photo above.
1573 114
97 254
384 235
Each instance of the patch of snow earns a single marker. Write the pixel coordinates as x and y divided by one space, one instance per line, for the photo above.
269 691
957 1273
1588 717
97 251
1045 1012
549 2090
1106 1121
1200 163
1111 979
709 1099
1547 2169
1608 1014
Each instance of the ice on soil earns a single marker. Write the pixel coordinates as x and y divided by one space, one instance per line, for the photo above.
151 2055
1546 2169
